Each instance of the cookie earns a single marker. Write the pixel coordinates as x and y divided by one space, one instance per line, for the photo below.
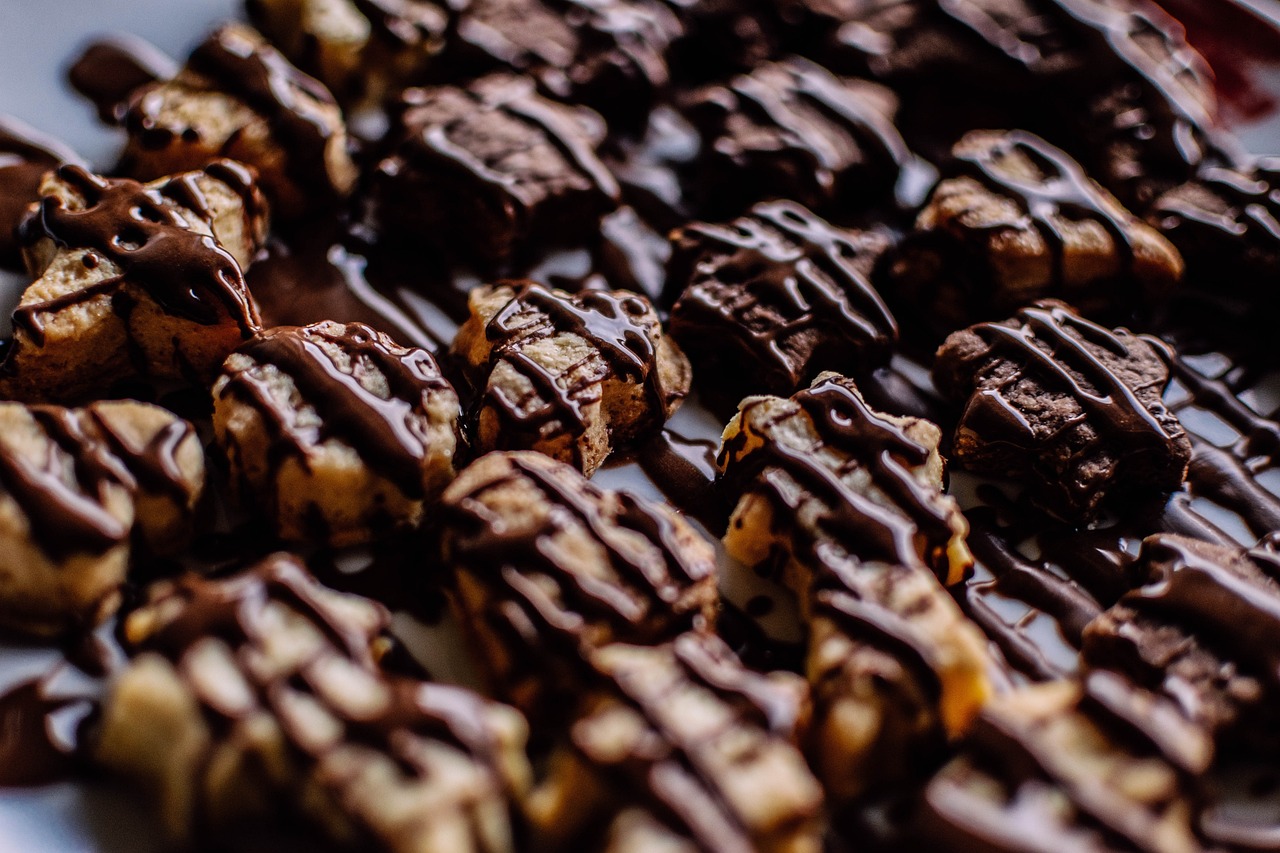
260 696
1019 220
545 564
26 156
572 376
1068 408
845 504
679 747
77 488
133 280
335 432
1201 629
791 129
767 302
238 97
491 171
1064 765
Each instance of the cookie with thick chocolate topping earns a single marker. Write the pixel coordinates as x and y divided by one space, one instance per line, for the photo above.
260 696
133 280
775 297
492 170
76 486
1067 407
26 156
1226 223
363 50
238 97
1202 628
571 375
1019 220
680 747
546 564
847 503
1065 766
336 432
792 129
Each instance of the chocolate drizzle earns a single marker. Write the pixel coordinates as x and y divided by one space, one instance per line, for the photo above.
790 292
26 155
187 273
387 432
1063 192
617 325
302 112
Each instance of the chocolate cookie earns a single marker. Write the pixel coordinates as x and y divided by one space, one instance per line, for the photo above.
492 170
771 300
77 488
1018 220
572 376
133 279
1201 629
26 156
679 747
792 129
1066 407
336 432
546 564
238 97
260 696
846 502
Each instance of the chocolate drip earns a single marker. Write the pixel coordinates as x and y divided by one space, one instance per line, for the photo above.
645 587
26 155
385 432
65 518
300 109
29 754
111 70
1064 192
154 466
916 528
613 323
187 273
1250 210
788 261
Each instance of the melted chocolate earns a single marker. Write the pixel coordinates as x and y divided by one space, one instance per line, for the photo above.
29 753
685 470
26 155
109 71
187 273
387 433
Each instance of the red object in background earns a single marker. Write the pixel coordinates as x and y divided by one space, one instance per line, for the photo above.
1239 38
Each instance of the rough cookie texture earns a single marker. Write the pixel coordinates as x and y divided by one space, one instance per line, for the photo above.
336 432
792 129
1142 106
572 376
772 299
847 503
680 747
545 564
74 485
1066 407
1017 221
238 97
262 692
492 170
1226 223
1202 629
133 279
1064 765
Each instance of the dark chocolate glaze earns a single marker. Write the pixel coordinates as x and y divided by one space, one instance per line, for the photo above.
1064 192
153 466
26 155
618 325
685 470
388 433
300 109
187 273
791 294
